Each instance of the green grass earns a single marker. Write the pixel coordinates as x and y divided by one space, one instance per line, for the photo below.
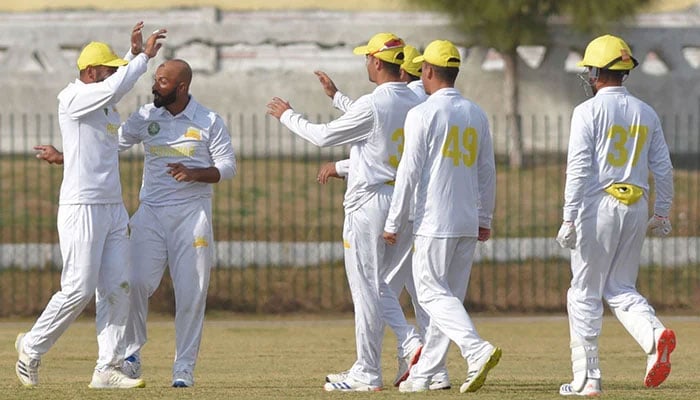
534 286
287 358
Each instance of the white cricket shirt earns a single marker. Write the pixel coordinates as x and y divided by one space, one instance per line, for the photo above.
89 124
616 138
197 137
373 126
418 88
448 162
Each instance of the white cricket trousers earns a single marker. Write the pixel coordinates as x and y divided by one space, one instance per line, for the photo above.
95 251
441 269
605 265
365 264
179 236
397 274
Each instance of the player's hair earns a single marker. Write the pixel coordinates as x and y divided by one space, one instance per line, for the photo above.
391 68
609 74
446 74
412 77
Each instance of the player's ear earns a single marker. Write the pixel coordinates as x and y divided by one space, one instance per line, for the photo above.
427 71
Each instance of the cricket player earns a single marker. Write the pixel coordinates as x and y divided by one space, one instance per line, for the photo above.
372 125
615 140
399 273
187 149
92 219
448 169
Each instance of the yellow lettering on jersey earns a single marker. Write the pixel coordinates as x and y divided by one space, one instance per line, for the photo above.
465 151
451 147
113 129
172 151
200 241
346 244
470 141
193 133
618 155
397 136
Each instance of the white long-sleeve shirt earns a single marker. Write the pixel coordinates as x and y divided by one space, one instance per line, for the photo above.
89 124
616 138
418 88
448 162
373 126
197 137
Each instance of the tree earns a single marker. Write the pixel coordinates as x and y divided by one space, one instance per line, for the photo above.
506 24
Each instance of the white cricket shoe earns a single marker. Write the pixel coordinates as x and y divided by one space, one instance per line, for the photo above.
350 385
659 362
413 385
183 379
27 368
442 384
131 366
590 389
479 369
406 363
339 377
114 378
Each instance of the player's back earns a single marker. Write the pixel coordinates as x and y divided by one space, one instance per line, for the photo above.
626 134
447 194
374 159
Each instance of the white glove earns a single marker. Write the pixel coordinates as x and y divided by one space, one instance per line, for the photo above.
659 226
567 235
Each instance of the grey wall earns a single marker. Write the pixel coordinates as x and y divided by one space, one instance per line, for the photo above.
242 59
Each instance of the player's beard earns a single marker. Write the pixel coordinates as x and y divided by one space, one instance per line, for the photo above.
160 100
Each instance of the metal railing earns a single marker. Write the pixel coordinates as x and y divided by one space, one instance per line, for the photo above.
278 232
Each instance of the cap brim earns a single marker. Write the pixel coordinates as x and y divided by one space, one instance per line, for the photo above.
117 62
360 50
418 59
580 64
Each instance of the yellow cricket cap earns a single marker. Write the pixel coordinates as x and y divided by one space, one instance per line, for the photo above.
408 65
608 52
98 53
441 53
384 46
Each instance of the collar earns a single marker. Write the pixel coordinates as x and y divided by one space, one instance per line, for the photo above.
395 84
613 90
448 91
189 111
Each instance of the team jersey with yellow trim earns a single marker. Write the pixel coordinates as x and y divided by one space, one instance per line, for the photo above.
448 162
89 124
197 137
373 126
616 138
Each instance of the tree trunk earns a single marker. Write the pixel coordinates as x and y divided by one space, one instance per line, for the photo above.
512 109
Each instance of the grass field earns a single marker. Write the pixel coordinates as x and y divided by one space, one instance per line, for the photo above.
273 358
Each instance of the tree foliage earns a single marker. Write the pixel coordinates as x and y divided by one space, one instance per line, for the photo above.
507 24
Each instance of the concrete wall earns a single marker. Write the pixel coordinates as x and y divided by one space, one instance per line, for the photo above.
242 59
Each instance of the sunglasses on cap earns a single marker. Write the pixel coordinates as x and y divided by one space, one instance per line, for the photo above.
391 44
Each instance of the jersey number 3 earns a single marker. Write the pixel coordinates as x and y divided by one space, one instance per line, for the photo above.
463 150
618 155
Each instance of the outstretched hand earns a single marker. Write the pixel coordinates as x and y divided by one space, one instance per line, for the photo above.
276 107
327 83
152 44
137 39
